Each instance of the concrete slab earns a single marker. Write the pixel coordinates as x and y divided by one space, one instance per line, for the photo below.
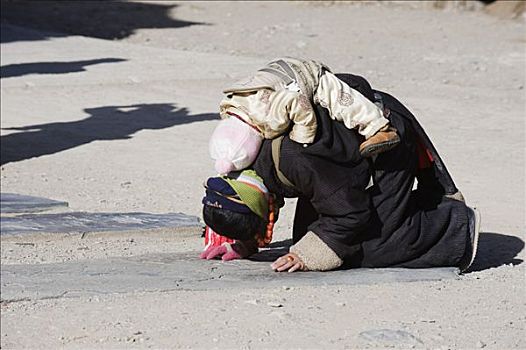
184 271
92 222
17 203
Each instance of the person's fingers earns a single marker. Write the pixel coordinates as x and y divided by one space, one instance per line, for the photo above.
216 252
283 263
205 253
290 262
275 265
285 266
296 267
279 262
231 256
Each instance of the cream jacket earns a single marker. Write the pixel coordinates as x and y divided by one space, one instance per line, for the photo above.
264 101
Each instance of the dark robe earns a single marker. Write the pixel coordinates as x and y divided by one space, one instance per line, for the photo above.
378 224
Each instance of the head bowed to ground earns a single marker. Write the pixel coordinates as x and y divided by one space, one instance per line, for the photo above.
239 206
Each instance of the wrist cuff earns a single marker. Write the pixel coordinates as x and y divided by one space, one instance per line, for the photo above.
315 254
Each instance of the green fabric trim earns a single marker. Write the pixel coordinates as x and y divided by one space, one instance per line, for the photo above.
252 197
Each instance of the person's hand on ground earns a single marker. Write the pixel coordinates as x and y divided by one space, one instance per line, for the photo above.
229 251
289 262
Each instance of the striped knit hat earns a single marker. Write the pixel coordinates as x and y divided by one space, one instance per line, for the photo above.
239 192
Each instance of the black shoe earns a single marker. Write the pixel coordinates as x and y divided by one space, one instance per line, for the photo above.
472 246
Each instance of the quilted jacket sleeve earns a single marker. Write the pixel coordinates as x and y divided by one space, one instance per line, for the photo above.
349 106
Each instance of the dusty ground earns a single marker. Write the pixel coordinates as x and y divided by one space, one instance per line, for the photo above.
461 73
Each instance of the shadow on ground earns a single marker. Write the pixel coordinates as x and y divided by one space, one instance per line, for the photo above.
104 123
21 69
496 249
96 18
276 249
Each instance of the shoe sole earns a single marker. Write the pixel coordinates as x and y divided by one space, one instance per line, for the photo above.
373 150
477 218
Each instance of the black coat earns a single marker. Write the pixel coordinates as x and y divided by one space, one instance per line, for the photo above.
383 223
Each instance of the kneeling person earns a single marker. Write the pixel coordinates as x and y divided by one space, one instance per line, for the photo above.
343 219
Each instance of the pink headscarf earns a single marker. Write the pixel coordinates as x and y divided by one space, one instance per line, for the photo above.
234 145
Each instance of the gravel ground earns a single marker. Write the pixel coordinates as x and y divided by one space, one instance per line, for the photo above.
461 72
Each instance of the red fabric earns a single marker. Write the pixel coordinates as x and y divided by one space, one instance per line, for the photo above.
214 239
425 158
215 246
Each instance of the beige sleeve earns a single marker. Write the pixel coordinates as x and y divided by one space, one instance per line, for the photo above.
304 119
349 106
315 254
298 110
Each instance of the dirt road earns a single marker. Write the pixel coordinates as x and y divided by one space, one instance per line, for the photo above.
117 118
